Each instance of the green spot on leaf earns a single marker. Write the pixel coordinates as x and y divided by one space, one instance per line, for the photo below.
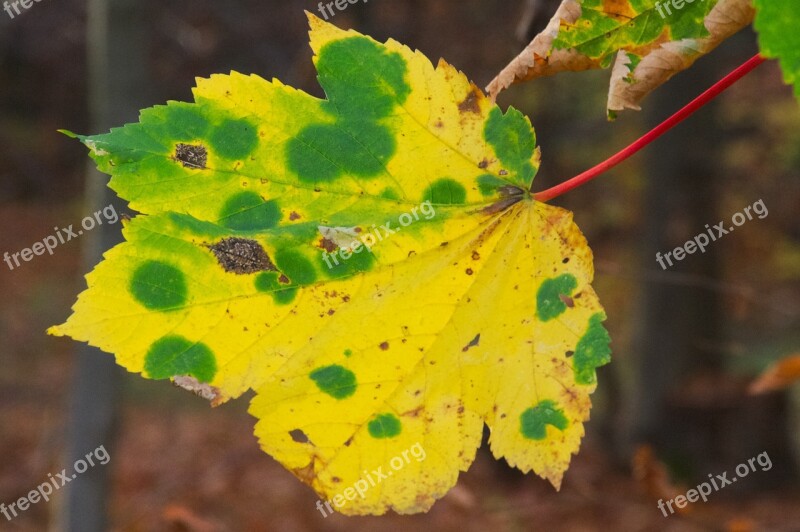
295 266
175 355
592 351
362 78
159 286
186 121
336 381
513 141
234 139
549 304
247 211
533 421
384 426
281 293
445 192
488 184
324 152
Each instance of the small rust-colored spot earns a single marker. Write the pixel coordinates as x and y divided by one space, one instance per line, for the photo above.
242 256
483 164
414 413
336 479
439 124
328 245
565 260
348 442
503 172
384 346
470 103
299 436
569 353
191 156
461 409
331 312
294 216
472 343
566 300
283 279
476 255
469 271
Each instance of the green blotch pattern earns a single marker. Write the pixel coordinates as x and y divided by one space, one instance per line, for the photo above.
384 426
295 266
335 380
390 194
158 286
445 191
233 139
358 262
513 140
361 78
185 122
364 83
533 421
348 352
324 152
268 282
548 302
247 211
488 184
592 351
174 355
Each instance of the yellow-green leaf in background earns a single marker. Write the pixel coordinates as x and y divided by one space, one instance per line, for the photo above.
372 265
645 41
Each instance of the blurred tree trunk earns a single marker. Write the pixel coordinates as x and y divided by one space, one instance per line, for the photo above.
678 320
117 90
686 404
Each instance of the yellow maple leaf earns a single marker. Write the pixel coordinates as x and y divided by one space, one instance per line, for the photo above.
372 264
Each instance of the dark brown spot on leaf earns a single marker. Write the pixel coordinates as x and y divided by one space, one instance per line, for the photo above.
566 300
470 103
469 271
384 346
328 245
472 343
242 256
569 353
476 255
483 164
191 156
294 216
299 436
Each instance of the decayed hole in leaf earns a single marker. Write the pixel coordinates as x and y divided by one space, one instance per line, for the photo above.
242 256
191 156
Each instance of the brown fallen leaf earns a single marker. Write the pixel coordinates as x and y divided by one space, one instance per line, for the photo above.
779 375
